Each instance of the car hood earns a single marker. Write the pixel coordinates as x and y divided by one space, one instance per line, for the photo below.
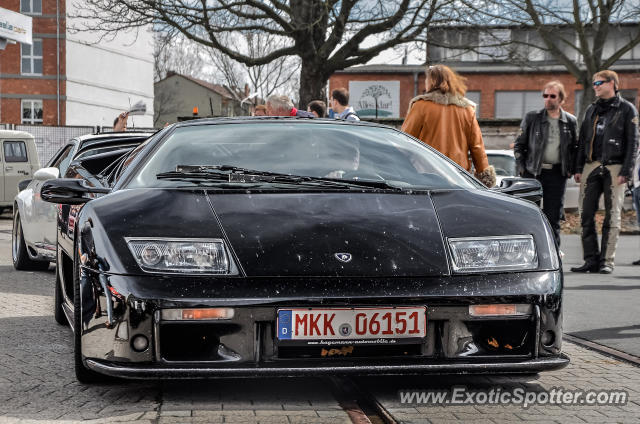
278 234
301 234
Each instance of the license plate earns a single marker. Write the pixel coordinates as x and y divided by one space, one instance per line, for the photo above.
352 324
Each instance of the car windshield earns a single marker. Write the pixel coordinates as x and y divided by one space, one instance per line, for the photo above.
505 165
268 153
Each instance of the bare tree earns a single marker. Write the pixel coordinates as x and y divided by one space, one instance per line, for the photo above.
279 75
326 35
172 52
575 33
229 72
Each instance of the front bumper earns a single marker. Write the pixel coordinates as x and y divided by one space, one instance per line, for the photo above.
483 367
456 342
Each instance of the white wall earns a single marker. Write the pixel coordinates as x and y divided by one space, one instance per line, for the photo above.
105 77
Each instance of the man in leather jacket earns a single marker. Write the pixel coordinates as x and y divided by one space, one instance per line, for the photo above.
607 149
545 149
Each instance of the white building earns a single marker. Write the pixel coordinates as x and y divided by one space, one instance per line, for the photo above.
69 77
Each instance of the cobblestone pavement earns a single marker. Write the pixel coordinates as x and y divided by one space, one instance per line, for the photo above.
37 383
588 371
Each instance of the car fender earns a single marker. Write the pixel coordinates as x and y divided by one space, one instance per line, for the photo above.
24 206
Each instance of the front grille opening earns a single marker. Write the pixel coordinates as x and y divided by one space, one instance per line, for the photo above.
502 337
190 342
347 351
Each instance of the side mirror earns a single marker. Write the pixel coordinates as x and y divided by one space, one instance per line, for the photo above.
44 174
23 184
68 191
522 188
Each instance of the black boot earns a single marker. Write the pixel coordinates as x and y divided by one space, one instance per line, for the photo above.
587 267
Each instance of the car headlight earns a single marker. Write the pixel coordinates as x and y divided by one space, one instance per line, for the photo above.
505 253
205 256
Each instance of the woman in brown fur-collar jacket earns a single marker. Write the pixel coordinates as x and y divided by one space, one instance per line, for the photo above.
446 120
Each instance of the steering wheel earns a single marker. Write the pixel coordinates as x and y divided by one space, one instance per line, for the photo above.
362 176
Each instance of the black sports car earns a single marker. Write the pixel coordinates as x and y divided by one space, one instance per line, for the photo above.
301 246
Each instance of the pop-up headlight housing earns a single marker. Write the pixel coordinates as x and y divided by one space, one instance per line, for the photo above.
185 256
486 254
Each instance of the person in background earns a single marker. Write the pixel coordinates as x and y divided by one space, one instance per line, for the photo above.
345 156
283 106
340 105
636 193
318 108
445 120
545 149
607 148
120 123
260 110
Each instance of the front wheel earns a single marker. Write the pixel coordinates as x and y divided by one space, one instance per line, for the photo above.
83 374
19 254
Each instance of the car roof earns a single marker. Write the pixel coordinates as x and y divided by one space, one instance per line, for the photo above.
94 140
114 135
14 134
287 119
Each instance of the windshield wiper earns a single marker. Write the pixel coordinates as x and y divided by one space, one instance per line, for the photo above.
226 173
234 174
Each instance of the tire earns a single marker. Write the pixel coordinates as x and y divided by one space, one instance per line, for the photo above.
19 254
83 374
58 298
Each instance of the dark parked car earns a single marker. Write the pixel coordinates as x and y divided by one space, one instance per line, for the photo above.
287 246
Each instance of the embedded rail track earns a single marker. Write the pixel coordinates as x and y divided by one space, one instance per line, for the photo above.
361 406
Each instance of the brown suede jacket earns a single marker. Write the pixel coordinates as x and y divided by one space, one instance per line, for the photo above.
448 123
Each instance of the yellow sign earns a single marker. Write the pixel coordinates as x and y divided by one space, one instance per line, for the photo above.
343 351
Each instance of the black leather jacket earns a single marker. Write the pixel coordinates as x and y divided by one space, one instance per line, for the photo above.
620 138
532 140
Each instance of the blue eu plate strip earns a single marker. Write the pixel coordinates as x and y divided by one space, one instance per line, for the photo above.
284 324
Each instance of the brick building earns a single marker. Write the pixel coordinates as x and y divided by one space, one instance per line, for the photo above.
501 89
72 78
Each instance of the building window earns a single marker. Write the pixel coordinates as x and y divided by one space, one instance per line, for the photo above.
33 7
32 58
492 45
474 96
515 104
454 45
32 111
524 48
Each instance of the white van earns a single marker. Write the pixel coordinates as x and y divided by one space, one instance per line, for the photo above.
18 161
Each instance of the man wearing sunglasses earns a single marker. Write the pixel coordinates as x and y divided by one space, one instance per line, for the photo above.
545 149
607 148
